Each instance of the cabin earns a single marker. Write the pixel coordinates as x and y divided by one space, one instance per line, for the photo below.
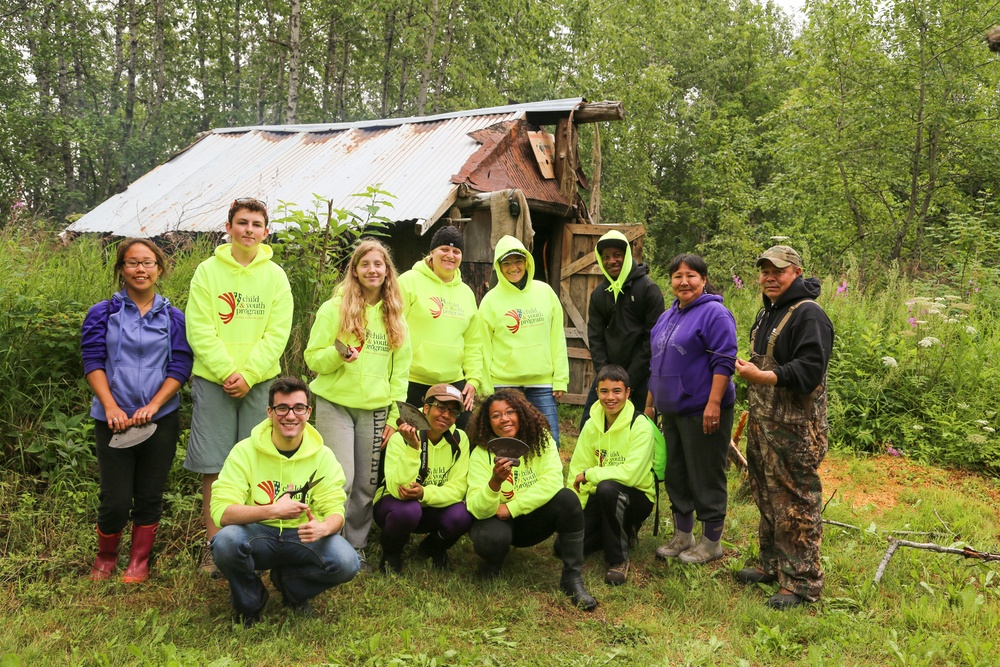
511 169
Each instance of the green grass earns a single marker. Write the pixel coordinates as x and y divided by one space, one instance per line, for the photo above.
930 609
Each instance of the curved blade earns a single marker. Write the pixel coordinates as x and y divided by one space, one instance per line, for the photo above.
508 448
133 436
409 414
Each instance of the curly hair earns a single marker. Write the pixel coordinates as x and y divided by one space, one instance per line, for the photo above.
352 307
533 429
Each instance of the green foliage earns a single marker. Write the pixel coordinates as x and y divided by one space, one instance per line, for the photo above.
313 246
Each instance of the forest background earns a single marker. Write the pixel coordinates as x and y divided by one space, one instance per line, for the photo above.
866 136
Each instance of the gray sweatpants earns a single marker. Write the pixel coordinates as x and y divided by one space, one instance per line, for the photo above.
355 436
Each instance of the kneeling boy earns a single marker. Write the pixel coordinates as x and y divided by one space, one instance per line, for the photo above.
611 472
280 502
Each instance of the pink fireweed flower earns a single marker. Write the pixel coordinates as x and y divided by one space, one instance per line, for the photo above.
842 288
737 281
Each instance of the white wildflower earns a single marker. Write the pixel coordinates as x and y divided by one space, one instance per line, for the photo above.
889 362
928 341
976 438
971 330
918 427
950 320
989 429
982 422
963 406
935 310
939 299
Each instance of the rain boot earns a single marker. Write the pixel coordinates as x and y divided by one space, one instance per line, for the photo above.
436 548
138 562
707 549
571 545
107 556
682 540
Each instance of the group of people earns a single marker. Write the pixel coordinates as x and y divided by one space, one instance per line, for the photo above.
282 495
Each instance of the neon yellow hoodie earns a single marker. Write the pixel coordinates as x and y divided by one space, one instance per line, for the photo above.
376 379
256 473
525 343
530 485
623 453
238 317
445 328
447 477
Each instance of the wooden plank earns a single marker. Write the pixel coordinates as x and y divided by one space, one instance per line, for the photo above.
572 333
630 231
543 146
573 399
578 353
574 313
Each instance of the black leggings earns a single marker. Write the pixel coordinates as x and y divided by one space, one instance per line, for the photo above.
492 538
133 479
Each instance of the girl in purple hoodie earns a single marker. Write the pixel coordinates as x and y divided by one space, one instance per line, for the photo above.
693 359
136 358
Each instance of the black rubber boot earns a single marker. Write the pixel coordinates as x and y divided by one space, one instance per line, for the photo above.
571 546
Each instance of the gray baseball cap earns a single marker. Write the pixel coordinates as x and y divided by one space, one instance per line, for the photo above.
781 256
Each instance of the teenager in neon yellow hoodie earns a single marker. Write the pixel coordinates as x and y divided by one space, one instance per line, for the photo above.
444 323
239 315
522 505
525 342
280 502
611 472
357 388
425 483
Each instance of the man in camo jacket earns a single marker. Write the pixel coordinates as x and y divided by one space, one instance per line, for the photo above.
790 345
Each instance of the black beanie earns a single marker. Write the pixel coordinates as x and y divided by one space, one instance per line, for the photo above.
448 235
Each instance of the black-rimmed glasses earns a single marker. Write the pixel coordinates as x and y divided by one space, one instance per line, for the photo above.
454 412
282 410
134 263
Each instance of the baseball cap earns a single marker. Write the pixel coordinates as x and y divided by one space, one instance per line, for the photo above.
513 252
781 256
443 392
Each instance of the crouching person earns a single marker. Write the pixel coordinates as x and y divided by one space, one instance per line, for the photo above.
425 483
611 472
280 502
522 502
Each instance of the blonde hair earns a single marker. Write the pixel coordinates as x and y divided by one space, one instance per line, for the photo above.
352 305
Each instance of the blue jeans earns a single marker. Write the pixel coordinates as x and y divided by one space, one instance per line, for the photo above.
542 398
306 569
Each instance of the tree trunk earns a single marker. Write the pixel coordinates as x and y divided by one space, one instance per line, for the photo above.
443 64
389 39
128 123
430 37
294 52
238 37
329 67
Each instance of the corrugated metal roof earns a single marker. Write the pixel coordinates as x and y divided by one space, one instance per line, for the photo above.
413 158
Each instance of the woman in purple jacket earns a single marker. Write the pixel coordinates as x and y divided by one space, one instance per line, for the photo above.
694 352
136 358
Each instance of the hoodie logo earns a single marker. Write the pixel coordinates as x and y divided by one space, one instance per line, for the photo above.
514 314
231 299
249 306
267 487
509 494
436 312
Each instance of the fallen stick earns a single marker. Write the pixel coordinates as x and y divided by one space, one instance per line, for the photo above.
735 455
965 552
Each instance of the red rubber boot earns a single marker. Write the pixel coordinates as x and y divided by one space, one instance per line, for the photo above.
138 563
107 556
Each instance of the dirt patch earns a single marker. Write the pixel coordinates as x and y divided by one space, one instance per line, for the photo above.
878 482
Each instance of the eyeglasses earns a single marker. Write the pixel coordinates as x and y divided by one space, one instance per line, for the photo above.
441 407
247 200
282 410
508 413
146 263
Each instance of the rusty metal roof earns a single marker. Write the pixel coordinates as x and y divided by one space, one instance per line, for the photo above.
413 158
